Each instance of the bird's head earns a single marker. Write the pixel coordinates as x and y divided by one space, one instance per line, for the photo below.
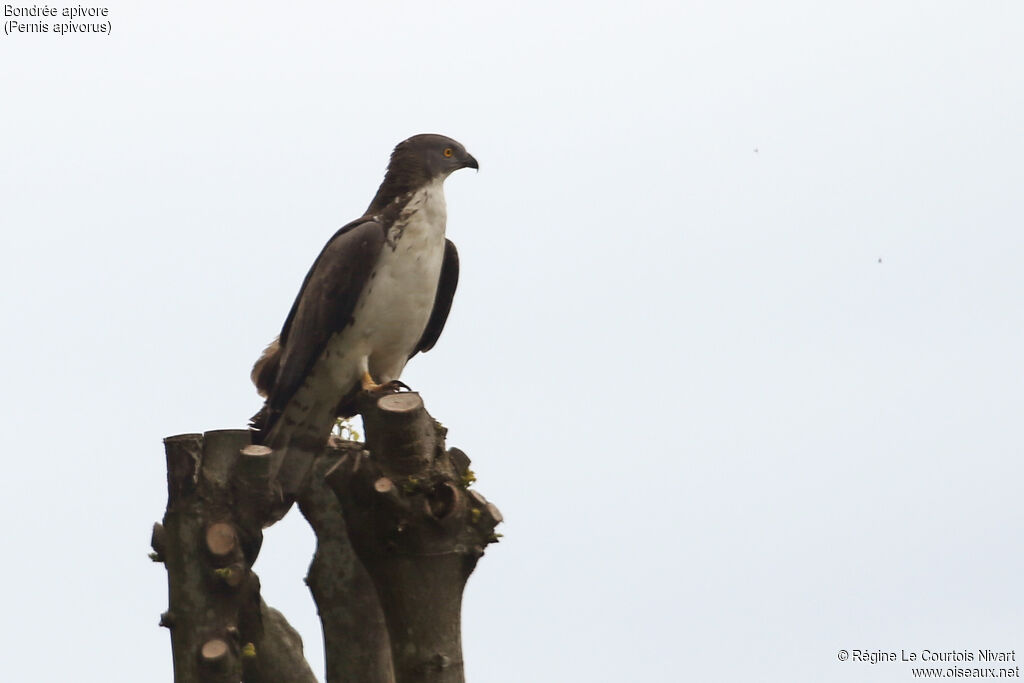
430 156
417 162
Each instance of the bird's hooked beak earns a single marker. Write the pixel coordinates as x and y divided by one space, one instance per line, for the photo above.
470 162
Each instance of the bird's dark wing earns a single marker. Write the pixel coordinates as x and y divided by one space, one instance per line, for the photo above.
324 305
442 300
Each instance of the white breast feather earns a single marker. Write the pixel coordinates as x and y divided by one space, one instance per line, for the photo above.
395 306
389 319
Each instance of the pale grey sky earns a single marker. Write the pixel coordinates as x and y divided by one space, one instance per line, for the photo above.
736 349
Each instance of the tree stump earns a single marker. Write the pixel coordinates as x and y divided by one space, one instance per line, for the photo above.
417 529
398 534
221 630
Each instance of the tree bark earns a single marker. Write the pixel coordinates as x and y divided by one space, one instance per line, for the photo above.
398 534
278 657
210 536
417 529
356 641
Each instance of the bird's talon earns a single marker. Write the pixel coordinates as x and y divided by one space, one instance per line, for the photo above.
392 387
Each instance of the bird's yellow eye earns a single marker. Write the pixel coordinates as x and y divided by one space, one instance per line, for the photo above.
448 151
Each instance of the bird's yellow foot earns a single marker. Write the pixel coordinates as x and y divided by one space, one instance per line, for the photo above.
393 386
368 383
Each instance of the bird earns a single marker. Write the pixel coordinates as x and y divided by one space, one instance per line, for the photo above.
379 293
